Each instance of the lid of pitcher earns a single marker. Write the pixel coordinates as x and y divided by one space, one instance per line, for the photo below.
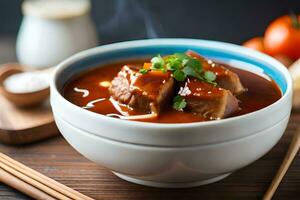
56 9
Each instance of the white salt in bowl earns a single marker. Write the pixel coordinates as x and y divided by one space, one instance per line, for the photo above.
172 155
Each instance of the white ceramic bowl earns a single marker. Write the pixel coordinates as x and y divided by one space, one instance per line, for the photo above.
172 155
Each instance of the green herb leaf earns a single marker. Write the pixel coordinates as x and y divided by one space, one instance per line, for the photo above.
194 64
181 56
143 71
179 75
189 71
182 66
210 76
179 103
157 63
173 63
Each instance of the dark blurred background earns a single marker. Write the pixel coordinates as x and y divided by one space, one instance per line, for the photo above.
118 20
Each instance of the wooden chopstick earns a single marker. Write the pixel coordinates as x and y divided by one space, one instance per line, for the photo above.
22 186
33 182
39 180
44 179
289 157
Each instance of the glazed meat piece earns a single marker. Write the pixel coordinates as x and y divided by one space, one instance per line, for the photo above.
145 92
151 91
207 100
225 78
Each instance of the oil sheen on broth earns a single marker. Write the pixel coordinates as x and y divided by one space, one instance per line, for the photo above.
89 90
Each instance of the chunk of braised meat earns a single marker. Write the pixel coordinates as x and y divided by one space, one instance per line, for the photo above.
152 91
148 92
120 85
224 77
207 100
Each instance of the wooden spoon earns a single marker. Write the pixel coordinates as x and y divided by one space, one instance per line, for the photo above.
25 99
292 152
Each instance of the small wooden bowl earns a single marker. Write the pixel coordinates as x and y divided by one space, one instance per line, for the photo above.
20 99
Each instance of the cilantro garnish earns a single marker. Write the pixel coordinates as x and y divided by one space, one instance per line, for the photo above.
210 77
143 71
179 103
158 63
179 75
181 66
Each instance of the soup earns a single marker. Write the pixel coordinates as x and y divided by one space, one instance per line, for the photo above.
178 88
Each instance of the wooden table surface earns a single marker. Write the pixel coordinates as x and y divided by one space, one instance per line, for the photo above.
58 160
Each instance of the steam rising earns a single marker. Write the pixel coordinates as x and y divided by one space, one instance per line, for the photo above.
129 12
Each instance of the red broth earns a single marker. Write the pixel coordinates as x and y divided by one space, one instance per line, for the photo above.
260 93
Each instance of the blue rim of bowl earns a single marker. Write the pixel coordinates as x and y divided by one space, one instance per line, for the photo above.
271 67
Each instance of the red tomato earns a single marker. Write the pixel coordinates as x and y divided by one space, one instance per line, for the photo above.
282 37
284 60
256 43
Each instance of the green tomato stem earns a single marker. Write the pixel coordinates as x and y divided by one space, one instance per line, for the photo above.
295 20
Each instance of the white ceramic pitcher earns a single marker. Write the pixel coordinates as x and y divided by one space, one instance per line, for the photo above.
54 30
